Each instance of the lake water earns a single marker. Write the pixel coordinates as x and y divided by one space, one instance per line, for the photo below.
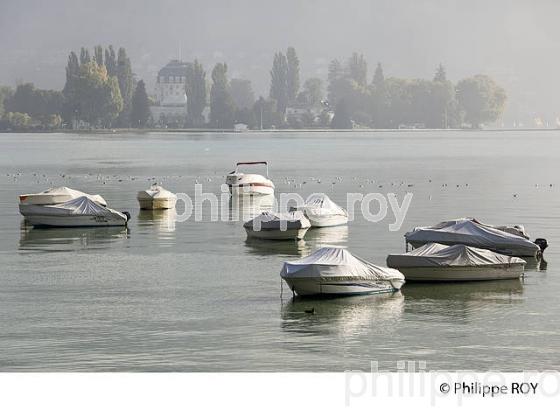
195 296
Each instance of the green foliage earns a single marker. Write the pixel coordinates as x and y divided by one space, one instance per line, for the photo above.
126 86
341 119
5 93
481 99
279 82
84 56
111 61
140 110
378 77
312 93
35 102
266 114
195 89
242 93
15 121
292 74
97 96
222 108
357 69
98 55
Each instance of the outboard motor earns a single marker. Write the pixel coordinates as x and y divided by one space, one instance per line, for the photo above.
541 243
127 214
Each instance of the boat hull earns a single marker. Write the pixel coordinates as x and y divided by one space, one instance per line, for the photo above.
157 203
75 220
327 220
461 273
277 234
320 286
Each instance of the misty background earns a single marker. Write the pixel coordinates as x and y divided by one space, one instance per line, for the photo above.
516 42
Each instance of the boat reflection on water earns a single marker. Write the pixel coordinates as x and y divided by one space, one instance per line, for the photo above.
535 264
262 247
245 208
462 300
346 316
327 237
70 239
163 220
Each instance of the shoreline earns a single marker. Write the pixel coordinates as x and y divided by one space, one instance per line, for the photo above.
271 131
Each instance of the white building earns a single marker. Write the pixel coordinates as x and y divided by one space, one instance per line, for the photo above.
170 96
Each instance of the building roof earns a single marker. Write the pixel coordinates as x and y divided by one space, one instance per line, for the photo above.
174 68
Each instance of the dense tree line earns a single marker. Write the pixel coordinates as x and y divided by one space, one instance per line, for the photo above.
98 93
101 91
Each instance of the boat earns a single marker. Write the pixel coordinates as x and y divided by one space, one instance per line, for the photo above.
472 233
79 212
58 195
249 184
323 212
335 271
436 262
278 226
156 197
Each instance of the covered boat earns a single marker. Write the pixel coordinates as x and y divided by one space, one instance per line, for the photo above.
335 271
249 184
472 233
79 212
278 226
322 211
437 262
57 195
156 197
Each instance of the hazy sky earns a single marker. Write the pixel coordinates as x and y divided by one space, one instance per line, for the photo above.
517 42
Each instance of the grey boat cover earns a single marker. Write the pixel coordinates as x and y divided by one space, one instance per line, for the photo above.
435 254
79 206
267 221
62 192
470 232
337 262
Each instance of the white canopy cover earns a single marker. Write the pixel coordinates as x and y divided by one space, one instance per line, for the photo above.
435 254
471 233
337 262
58 195
278 221
79 206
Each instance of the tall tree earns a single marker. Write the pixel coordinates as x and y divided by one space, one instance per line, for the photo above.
221 104
126 85
5 93
195 88
242 93
357 69
312 92
140 110
440 75
378 76
292 74
279 82
341 119
84 56
72 74
481 99
98 55
111 61
97 96
336 72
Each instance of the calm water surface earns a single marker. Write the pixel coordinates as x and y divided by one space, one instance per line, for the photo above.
195 296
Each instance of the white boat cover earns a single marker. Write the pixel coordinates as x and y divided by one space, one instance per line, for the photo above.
278 221
435 254
471 233
156 192
58 195
337 262
321 205
79 206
